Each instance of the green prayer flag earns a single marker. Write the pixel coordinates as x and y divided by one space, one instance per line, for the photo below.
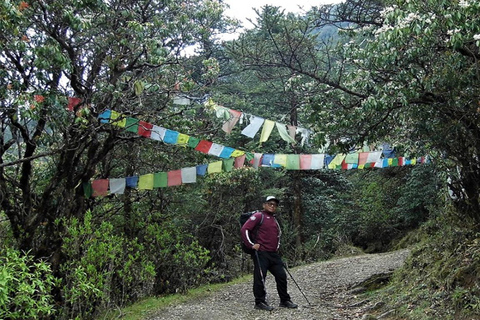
87 189
160 180
293 161
193 142
131 125
228 164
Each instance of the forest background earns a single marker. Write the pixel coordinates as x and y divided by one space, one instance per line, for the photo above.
361 73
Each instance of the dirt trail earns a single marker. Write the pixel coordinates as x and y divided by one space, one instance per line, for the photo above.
327 286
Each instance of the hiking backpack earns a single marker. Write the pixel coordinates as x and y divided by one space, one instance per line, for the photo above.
243 218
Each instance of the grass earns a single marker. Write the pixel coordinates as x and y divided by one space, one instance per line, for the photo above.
150 306
440 278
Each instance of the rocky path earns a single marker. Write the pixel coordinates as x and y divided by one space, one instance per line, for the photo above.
326 285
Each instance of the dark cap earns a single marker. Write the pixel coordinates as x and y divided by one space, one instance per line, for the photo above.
272 198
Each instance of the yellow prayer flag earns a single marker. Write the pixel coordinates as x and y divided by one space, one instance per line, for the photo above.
337 161
114 115
237 153
182 139
280 159
267 130
215 167
145 182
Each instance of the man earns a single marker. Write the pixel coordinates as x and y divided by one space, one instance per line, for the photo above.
262 233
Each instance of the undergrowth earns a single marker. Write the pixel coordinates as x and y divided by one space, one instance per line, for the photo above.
440 278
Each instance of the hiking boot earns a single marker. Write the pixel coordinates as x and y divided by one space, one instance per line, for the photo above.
263 306
288 304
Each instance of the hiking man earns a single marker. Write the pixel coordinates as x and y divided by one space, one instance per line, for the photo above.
262 233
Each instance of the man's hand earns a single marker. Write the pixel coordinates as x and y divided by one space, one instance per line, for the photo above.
256 246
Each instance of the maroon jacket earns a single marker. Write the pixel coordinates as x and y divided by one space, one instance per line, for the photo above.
268 234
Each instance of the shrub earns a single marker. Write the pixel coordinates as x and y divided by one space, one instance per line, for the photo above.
25 287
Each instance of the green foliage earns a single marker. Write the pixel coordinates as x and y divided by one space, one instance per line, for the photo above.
440 278
102 268
180 262
25 287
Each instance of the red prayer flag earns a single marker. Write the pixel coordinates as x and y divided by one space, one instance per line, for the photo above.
73 102
203 146
305 161
144 129
174 178
240 161
100 187
362 158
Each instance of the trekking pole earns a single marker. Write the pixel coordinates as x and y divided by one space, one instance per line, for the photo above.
288 271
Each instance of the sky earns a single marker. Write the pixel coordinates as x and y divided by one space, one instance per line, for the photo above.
242 9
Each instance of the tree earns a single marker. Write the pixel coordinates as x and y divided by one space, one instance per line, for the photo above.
120 55
404 72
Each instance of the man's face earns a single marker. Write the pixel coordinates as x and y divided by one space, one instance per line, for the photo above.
270 206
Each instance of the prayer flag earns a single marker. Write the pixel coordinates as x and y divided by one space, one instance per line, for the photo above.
280 159
182 139
158 133
73 102
203 146
318 161
171 136
282 130
253 127
131 125
374 156
386 162
174 178
237 153
100 187
305 161
145 182
87 189
105 116
351 158
249 156
240 161
362 159
267 130
189 175
226 152
267 160
336 161
160 180
131 182
117 185
292 130
215 149
293 162
257 159
227 164
118 119
202 169
234 117
328 159
214 167
144 129
193 142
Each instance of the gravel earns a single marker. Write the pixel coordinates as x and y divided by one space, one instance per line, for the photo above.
329 289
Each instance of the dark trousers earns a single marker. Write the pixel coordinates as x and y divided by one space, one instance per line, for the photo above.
269 261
